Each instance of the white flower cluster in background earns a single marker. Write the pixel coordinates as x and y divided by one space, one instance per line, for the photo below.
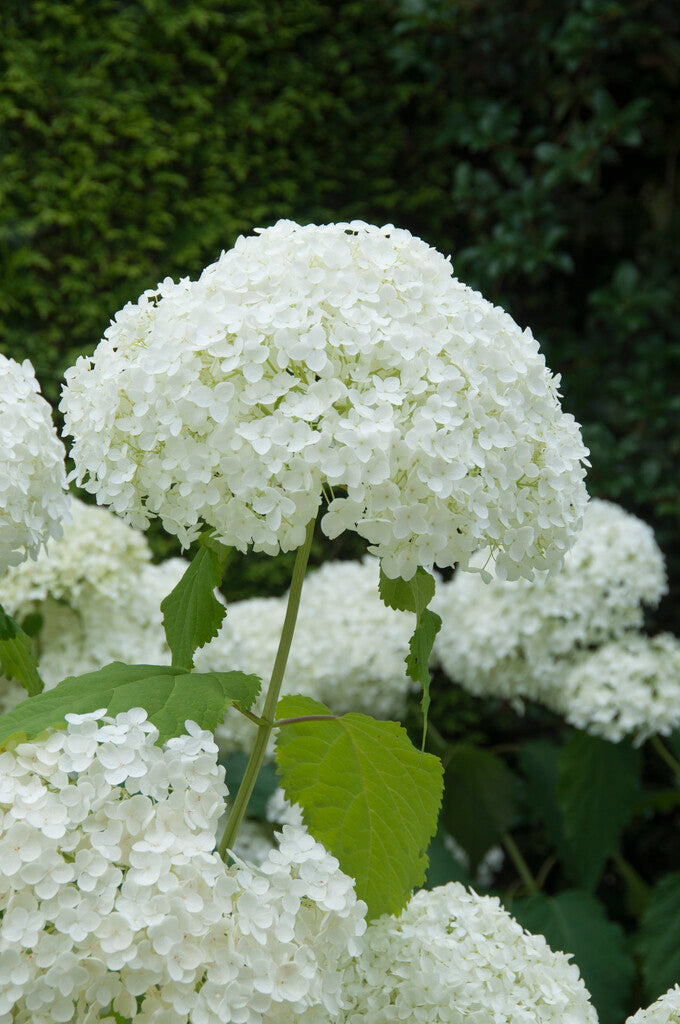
98 597
511 638
348 648
33 499
346 358
113 902
489 866
666 1010
630 687
453 957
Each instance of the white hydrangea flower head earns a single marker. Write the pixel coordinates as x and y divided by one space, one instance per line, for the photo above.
629 687
348 650
666 1010
112 895
343 357
97 556
511 639
33 498
452 957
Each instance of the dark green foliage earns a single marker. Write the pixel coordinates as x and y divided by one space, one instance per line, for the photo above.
576 923
659 943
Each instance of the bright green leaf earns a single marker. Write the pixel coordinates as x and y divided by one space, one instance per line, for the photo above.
192 615
659 943
598 786
17 659
575 922
169 695
412 595
418 658
479 799
366 793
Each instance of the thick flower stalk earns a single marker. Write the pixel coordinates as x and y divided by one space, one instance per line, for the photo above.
343 360
113 905
452 957
517 639
666 1010
348 649
33 499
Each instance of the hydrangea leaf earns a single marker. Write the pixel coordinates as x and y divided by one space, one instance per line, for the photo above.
598 786
192 615
575 922
414 595
538 761
659 942
479 799
17 658
366 793
169 695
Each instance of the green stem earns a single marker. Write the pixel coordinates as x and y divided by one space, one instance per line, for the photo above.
666 756
267 718
518 860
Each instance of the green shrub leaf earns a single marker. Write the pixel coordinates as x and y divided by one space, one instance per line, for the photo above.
192 615
418 658
575 922
479 799
366 793
17 659
412 595
538 761
170 696
598 786
659 942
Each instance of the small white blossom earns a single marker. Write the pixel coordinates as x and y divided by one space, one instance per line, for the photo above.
33 499
345 358
452 957
666 1010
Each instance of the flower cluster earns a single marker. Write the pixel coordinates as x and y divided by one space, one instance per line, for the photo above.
666 1010
340 358
33 498
629 687
453 957
515 639
348 649
114 905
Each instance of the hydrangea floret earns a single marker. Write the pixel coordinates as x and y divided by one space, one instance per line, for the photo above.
33 499
514 639
342 359
666 1010
452 957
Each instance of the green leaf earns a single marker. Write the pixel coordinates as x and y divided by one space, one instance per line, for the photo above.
575 922
169 695
17 659
659 942
412 595
598 786
418 658
479 799
192 615
366 793
538 761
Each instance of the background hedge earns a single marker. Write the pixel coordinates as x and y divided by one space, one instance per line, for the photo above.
537 143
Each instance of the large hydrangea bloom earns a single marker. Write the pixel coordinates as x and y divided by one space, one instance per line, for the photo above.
113 905
342 358
452 957
33 498
348 650
666 1010
514 639
629 687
